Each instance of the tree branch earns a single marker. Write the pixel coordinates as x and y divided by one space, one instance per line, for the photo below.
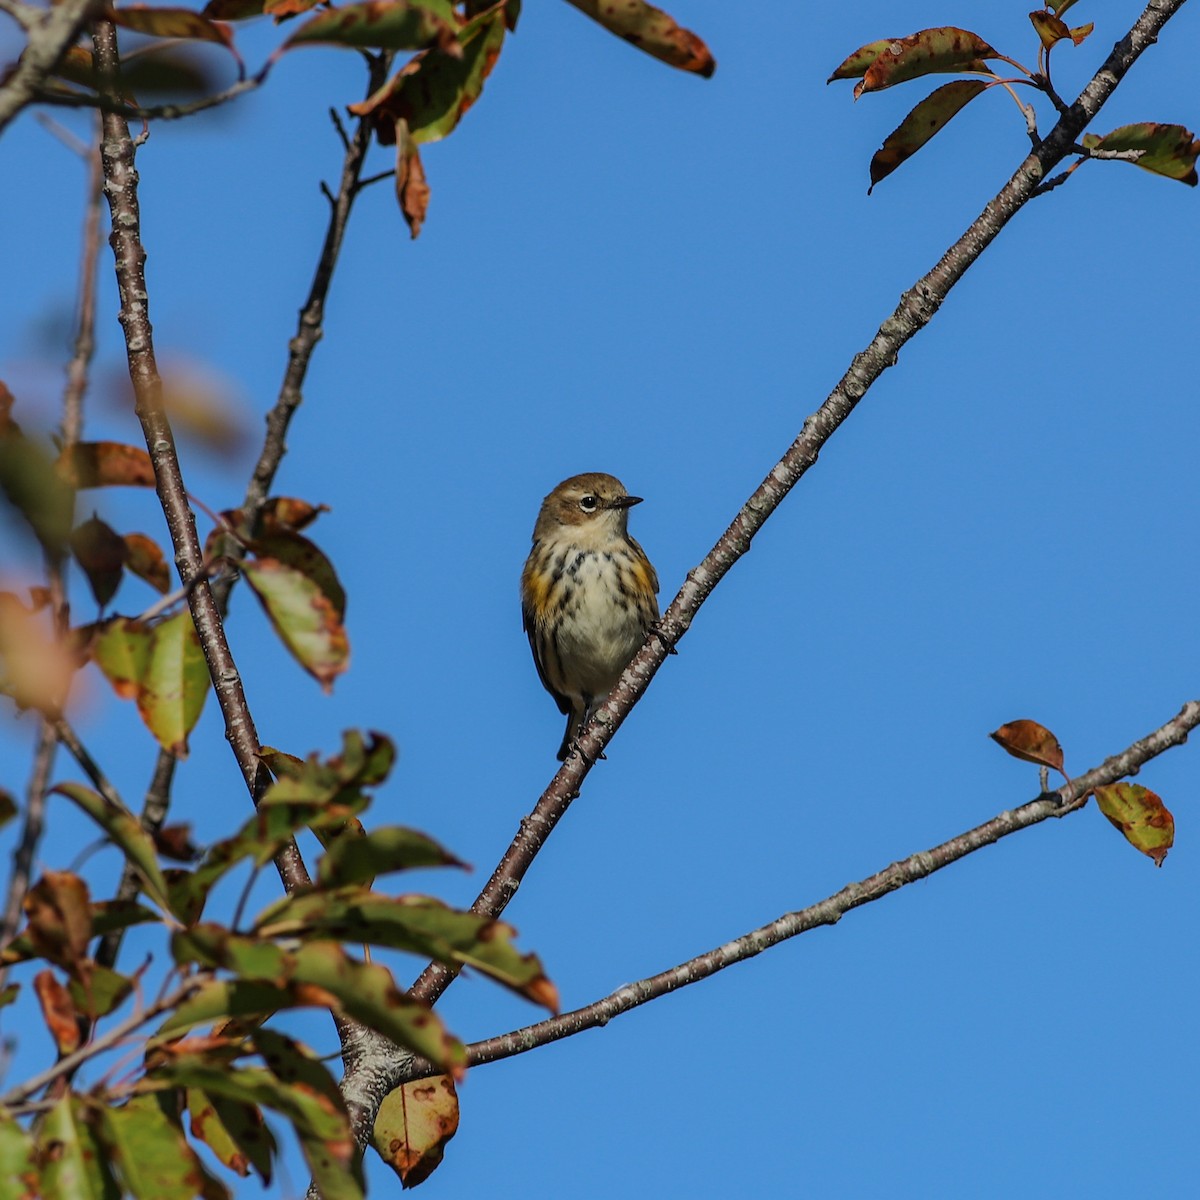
49 34
120 188
916 309
152 112
1067 799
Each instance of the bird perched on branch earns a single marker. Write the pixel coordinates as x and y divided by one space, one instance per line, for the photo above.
588 595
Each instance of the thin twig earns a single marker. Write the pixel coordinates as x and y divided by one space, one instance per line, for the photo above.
150 112
49 35
78 751
71 1062
1067 799
31 833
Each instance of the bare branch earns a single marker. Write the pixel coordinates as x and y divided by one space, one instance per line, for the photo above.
152 112
121 190
1067 799
49 33
31 833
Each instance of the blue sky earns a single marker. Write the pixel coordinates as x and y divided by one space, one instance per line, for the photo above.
630 270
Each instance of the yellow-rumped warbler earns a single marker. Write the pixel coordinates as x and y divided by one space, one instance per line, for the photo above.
588 595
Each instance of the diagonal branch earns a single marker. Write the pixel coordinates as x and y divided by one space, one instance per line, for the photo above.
49 33
1069 798
916 309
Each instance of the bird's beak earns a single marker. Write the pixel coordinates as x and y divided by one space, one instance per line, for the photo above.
624 501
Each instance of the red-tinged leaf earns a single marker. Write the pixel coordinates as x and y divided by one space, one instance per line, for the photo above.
144 557
174 684
652 30
855 65
59 918
234 1131
282 513
235 10
412 191
930 52
172 23
1141 816
57 1011
121 649
100 552
382 25
1081 32
1169 150
284 10
433 90
413 1126
1032 742
1050 29
304 600
105 464
928 118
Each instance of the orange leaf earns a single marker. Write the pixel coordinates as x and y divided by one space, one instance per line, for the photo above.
411 189
105 464
413 1126
144 557
57 1010
1033 742
652 30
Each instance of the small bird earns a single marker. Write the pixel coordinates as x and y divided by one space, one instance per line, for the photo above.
588 595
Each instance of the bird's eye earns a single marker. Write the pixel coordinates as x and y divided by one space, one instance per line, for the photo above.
588 503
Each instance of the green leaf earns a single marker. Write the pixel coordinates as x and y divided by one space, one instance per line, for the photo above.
360 859
75 1166
928 118
1050 29
317 1115
175 683
151 1154
100 991
126 832
121 649
1141 816
417 924
1169 150
234 1131
652 30
414 1123
219 1000
321 973
301 595
433 91
382 25
18 1167
33 487
1059 6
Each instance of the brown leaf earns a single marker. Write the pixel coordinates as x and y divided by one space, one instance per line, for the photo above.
144 557
105 464
411 189
60 918
652 30
58 1011
281 513
1050 29
175 842
929 52
413 1126
100 552
1141 816
1032 742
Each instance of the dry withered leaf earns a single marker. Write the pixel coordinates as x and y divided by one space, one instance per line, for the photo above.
1032 742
